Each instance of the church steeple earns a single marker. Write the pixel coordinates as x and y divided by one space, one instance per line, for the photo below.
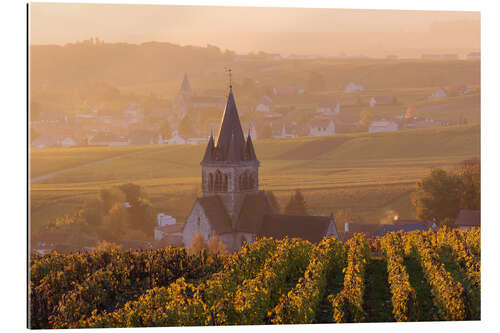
186 87
230 168
231 145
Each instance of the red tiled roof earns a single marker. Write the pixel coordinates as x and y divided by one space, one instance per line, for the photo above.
171 228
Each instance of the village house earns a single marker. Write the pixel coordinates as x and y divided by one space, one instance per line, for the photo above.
353 87
108 139
382 100
321 126
474 55
54 140
365 228
171 231
271 114
468 219
163 219
439 93
289 90
328 107
383 126
265 104
460 89
232 206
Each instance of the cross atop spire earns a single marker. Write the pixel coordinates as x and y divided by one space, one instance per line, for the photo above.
230 74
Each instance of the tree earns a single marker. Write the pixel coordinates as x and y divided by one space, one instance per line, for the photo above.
107 198
216 246
165 130
141 217
197 244
116 222
297 204
469 172
132 192
438 196
274 201
365 120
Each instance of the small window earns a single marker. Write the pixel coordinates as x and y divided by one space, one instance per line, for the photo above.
199 222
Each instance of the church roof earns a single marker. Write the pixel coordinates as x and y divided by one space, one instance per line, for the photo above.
231 145
254 207
467 217
216 213
311 228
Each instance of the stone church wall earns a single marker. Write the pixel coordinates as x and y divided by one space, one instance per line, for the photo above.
197 222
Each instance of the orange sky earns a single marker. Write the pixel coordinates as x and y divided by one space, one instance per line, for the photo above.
247 29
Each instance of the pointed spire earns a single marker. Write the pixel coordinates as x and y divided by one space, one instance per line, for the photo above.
230 130
208 157
250 151
186 87
234 154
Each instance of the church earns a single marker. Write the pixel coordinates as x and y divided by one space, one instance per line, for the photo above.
232 206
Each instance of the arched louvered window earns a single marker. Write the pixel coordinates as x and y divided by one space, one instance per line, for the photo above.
225 184
251 181
247 181
210 182
218 181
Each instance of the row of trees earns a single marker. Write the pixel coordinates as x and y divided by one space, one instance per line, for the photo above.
296 205
122 212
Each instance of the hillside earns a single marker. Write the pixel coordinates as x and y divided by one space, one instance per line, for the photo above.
158 68
370 173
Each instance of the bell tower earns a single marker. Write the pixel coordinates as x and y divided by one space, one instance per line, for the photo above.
230 168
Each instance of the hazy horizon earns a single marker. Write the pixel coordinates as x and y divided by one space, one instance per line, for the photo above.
253 29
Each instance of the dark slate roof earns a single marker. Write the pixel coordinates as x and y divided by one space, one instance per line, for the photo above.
467 217
250 151
230 129
231 146
407 222
365 228
216 213
254 207
388 228
311 228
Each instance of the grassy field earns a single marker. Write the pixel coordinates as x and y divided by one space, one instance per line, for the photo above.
372 173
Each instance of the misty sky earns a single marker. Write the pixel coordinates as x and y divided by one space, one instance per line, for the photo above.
246 29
